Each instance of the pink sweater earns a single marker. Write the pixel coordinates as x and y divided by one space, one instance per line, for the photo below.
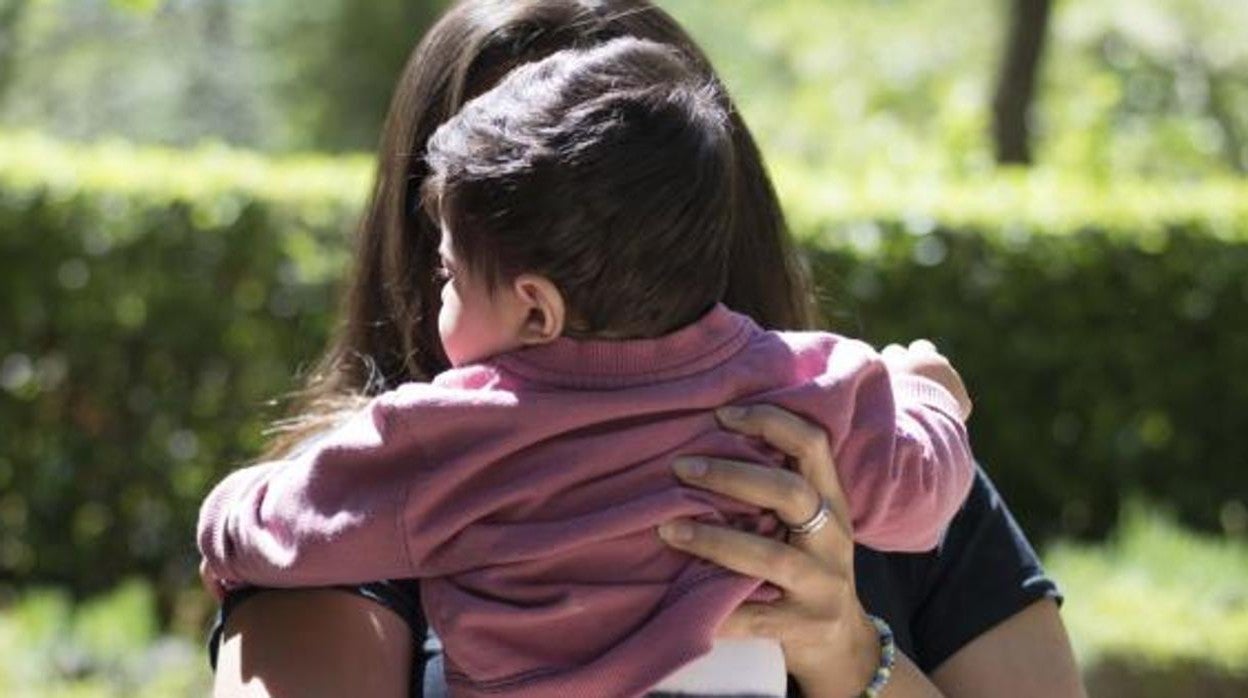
525 492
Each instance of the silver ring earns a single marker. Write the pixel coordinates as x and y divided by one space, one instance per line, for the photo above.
816 522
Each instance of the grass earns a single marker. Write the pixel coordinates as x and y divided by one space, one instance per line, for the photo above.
1156 594
106 647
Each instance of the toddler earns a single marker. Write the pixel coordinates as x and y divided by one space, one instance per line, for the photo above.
585 235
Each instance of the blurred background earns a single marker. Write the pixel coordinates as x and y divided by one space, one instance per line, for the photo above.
1054 192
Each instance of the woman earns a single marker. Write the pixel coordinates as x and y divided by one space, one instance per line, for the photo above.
972 618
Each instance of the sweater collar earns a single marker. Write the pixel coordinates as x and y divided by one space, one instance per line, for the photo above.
606 364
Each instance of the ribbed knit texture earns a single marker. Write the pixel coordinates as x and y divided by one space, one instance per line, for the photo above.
526 490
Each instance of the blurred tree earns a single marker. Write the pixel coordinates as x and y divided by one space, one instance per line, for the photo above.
338 61
1156 88
11 12
1016 82
213 102
1228 106
277 75
175 72
1150 87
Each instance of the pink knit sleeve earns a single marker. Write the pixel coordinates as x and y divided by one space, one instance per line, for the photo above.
330 515
900 448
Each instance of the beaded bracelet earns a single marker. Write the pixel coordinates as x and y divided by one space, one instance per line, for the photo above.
888 657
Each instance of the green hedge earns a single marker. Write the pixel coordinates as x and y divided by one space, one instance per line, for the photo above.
1103 332
155 301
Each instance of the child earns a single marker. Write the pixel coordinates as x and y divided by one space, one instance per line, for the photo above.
585 236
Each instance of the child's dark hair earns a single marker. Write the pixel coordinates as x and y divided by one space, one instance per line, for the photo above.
609 171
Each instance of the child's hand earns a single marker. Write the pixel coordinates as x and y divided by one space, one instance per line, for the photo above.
212 584
922 359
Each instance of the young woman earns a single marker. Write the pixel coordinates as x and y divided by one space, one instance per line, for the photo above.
976 617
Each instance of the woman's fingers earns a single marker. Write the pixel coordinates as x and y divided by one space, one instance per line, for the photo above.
814 571
805 442
799 574
792 498
783 430
784 492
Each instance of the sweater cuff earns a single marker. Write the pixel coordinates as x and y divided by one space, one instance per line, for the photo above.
214 518
911 389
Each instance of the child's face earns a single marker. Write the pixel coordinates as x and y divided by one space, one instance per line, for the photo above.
474 323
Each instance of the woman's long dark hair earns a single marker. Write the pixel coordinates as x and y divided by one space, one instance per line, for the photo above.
388 331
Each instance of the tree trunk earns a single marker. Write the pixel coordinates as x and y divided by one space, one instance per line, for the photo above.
1016 83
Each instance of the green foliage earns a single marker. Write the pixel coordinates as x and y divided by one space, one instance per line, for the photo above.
137 6
105 647
12 13
1158 87
858 84
338 62
277 75
150 70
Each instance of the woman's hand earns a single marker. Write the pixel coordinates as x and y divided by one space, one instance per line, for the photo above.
829 645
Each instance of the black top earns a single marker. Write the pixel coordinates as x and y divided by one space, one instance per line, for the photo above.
936 602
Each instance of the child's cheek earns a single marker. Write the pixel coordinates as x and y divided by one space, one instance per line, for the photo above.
449 319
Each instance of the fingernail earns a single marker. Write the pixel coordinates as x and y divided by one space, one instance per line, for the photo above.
730 414
676 532
689 467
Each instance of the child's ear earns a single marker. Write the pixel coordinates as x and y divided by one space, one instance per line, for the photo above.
544 310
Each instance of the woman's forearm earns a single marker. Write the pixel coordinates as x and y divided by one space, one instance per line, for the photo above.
1028 655
313 642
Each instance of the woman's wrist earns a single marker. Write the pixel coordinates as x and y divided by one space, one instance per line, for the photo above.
888 657
843 673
